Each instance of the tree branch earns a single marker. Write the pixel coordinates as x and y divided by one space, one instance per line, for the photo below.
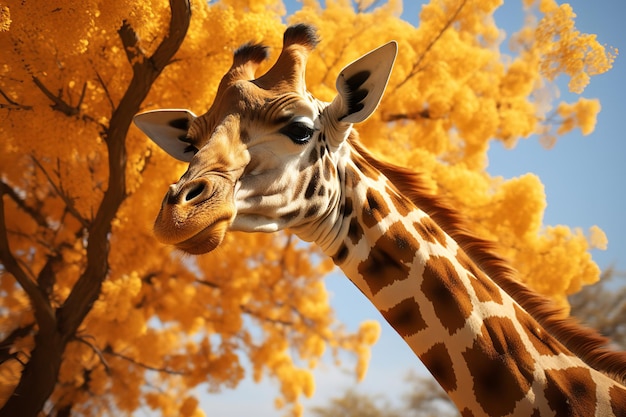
417 66
59 104
98 353
7 344
109 351
43 311
61 193
34 214
130 40
12 104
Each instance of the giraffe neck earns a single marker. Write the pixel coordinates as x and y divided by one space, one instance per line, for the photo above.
486 351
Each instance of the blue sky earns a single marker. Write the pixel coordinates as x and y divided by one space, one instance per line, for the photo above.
584 182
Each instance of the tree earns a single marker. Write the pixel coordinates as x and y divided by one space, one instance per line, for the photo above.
423 398
355 404
98 318
603 306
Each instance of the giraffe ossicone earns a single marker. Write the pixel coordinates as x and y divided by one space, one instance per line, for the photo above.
268 156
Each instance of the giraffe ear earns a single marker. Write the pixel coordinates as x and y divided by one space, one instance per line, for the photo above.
361 84
168 129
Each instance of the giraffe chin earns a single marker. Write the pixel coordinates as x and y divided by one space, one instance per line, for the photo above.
206 240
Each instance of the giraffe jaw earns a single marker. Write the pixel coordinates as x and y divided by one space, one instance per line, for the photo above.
206 240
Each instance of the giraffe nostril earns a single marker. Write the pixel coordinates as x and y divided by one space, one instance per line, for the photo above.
196 190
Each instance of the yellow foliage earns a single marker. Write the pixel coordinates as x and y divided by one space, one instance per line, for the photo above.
165 323
5 18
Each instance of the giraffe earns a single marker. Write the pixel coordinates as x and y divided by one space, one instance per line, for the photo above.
268 156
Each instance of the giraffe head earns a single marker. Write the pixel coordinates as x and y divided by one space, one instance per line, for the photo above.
264 156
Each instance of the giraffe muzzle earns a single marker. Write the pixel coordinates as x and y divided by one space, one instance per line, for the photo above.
196 214
193 192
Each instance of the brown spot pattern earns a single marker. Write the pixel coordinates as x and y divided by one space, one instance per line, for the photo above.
571 392
312 186
405 317
355 232
329 169
466 412
313 156
430 231
403 207
618 400
311 211
501 367
541 340
347 207
484 287
341 255
445 290
388 258
375 209
439 363
290 215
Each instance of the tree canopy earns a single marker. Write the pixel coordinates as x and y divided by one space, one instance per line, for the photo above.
99 319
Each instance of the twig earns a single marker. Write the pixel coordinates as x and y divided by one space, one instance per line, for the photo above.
12 104
98 353
109 351
59 103
61 193
39 219
416 67
106 90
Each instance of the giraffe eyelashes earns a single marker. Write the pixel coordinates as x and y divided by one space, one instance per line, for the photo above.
299 130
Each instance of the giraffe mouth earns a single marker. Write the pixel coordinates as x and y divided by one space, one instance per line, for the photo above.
205 240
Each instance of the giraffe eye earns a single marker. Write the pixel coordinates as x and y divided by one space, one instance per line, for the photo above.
298 131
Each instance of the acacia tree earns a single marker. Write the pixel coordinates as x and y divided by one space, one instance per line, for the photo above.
98 318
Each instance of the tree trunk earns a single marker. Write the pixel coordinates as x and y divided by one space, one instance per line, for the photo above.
38 378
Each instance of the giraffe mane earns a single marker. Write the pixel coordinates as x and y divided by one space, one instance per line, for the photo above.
583 341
